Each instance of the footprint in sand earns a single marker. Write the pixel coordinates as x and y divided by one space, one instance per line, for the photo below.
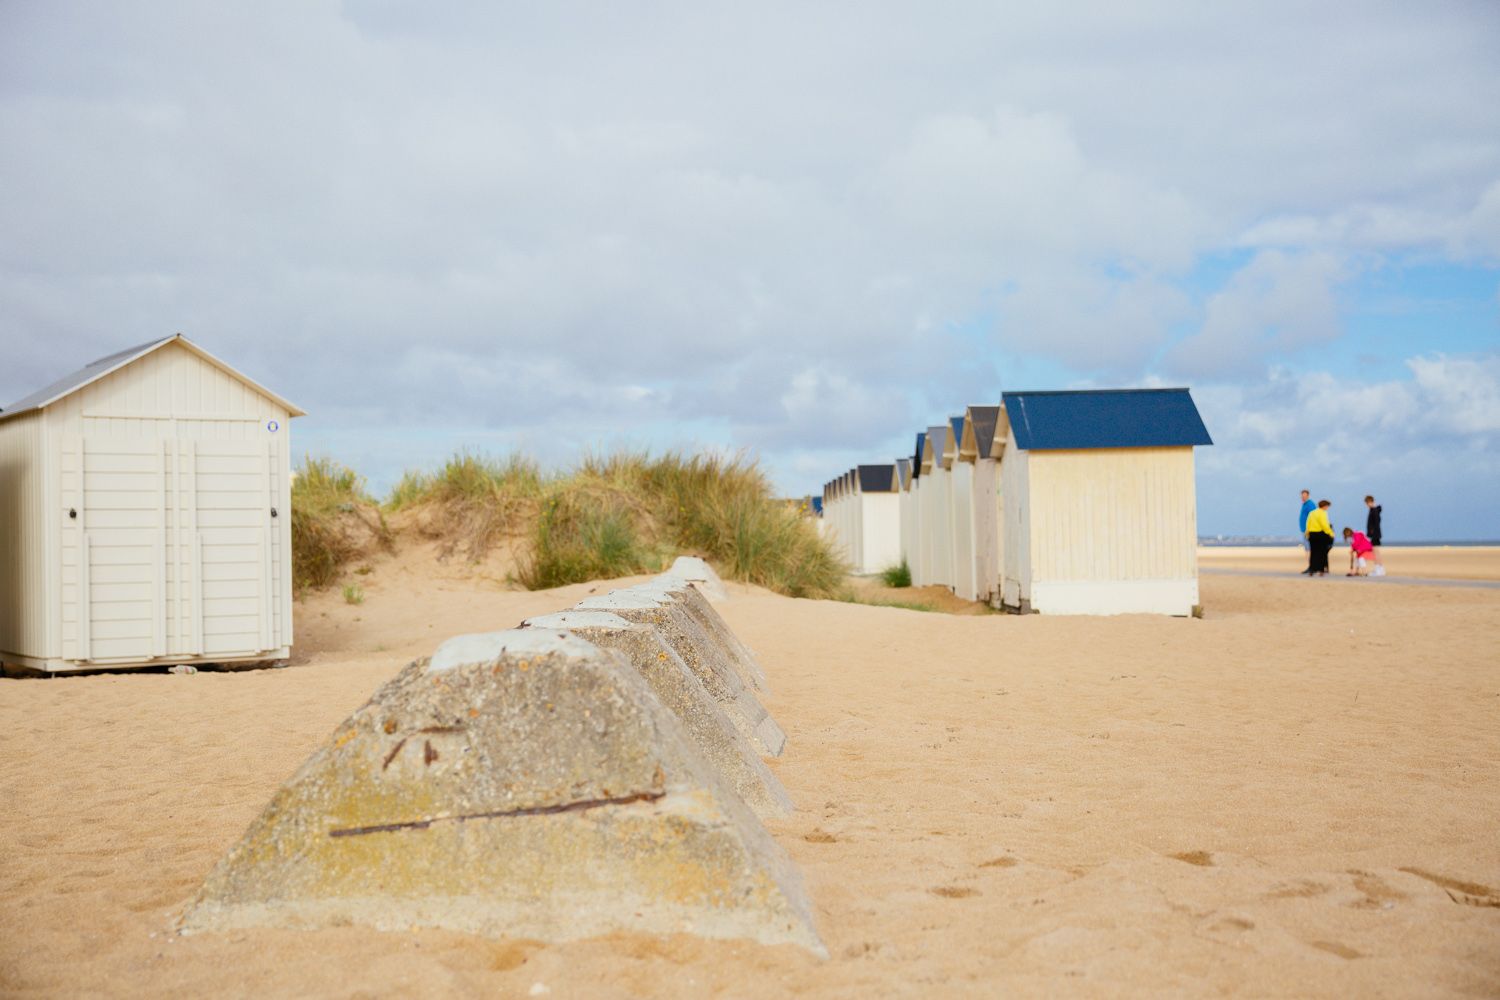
1459 890
820 837
1377 895
999 863
953 891
1300 889
1334 948
1202 859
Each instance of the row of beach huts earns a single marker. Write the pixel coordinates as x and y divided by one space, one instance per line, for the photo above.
1079 502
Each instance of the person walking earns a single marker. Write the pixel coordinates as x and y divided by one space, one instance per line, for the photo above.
1307 508
1372 532
1319 539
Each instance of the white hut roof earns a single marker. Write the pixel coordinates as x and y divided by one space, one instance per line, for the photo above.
100 367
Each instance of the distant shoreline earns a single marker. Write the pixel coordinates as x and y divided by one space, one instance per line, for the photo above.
1263 542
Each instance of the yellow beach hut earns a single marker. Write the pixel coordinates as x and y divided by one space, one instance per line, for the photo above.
1099 502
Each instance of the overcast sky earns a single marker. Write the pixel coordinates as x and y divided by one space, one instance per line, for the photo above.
808 230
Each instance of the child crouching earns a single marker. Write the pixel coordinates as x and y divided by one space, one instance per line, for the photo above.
1361 552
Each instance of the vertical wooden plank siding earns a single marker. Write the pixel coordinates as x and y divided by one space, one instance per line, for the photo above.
1114 514
263 605
986 528
159 557
23 549
1015 547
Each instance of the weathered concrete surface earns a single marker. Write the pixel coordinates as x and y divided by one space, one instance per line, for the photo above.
521 784
707 658
740 656
695 570
677 687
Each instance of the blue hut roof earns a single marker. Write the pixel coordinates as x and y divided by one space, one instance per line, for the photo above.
877 478
1105 418
916 459
957 423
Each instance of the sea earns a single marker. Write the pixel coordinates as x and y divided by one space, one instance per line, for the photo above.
1274 541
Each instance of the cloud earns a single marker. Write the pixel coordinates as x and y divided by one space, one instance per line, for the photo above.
1276 305
805 229
1429 443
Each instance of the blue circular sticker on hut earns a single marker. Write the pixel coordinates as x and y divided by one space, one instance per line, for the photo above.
272 426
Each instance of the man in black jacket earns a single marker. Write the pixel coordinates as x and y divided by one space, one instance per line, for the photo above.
1372 532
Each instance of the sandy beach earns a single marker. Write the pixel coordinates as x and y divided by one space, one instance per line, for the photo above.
1296 795
1457 562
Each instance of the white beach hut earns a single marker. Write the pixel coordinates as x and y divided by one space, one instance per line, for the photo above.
937 506
1099 502
878 518
981 451
961 519
145 515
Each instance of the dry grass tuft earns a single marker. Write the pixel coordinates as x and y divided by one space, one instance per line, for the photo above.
623 514
472 502
333 522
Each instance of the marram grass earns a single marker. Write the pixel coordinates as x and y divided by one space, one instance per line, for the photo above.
611 516
326 496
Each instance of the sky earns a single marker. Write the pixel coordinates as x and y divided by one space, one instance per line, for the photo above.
803 230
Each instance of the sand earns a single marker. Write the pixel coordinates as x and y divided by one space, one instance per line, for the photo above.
1298 794
1422 562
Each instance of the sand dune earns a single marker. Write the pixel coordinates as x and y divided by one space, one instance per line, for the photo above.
1296 795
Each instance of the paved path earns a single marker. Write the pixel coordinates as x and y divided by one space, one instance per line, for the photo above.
1416 581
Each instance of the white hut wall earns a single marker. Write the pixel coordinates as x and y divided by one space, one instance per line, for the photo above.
985 493
1113 531
907 507
941 563
24 584
962 496
880 531
1015 528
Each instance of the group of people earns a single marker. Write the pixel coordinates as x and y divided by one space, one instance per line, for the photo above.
1317 538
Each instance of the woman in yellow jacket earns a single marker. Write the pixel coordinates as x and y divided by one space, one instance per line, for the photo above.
1319 540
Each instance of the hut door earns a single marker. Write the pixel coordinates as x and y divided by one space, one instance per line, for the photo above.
114 548
233 550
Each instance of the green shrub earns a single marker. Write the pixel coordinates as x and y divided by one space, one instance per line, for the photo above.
579 536
354 593
896 576
333 521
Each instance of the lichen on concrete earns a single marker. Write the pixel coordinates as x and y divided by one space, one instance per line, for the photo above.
533 785
675 684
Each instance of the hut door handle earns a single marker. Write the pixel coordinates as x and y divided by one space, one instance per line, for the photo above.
273 511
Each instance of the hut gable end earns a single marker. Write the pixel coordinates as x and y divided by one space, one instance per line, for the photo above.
171 376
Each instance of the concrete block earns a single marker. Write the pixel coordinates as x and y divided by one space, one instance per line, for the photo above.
695 570
677 687
706 657
691 596
519 784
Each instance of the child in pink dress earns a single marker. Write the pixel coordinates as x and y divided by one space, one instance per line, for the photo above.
1361 552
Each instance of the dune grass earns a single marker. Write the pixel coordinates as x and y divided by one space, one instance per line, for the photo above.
622 514
897 576
325 496
476 499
